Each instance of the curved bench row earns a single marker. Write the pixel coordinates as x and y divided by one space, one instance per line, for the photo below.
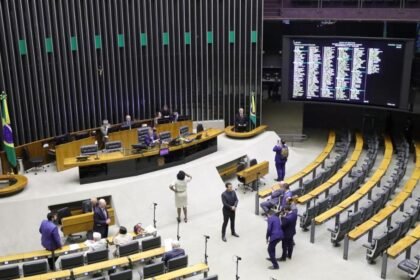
365 189
310 168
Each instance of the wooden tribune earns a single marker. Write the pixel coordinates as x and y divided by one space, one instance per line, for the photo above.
254 172
229 131
82 222
18 183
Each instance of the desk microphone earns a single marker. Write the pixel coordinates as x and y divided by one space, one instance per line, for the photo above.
207 236
155 204
239 258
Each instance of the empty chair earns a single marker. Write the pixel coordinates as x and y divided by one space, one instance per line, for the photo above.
151 243
9 272
335 198
367 211
177 263
72 260
122 275
404 225
323 206
411 267
374 249
308 215
242 166
129 248
97 256
152 270
253 162
356 219
200 128
35 267
34 162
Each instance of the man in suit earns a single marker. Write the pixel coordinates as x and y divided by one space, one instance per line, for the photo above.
273 237
101 219
280 159
273 200
230 202
174 253
241 121
151 138
50 238
104 130
286 195
288 223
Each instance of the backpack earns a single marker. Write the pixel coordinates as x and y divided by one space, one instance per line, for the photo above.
285 152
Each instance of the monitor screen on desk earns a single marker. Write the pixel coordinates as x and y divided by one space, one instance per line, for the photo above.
163 151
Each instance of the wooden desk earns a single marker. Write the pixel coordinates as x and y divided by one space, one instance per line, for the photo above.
415 232
82 222
383 214
229 131
400 199
109 264
17 183
327 215
410 185
183 272
401 245
139 257
255 172
173 128
118 165
71 149
362 229
50 275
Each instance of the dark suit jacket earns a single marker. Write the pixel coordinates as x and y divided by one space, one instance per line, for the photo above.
174 253
99 221
275 196
241 121
149 140
288 223
274 230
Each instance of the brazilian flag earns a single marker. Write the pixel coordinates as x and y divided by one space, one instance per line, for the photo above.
8 145
253 110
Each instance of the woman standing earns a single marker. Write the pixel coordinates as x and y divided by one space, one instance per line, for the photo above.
179 187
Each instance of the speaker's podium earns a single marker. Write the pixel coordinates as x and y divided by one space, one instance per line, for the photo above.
234 132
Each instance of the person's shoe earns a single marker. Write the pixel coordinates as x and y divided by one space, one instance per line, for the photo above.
289 258
235 234
178 220
273 267
277 180
185 220
268 259
224 238
281 259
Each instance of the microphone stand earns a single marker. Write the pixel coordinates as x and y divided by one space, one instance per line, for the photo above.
177 231
237 267
206 238
154 214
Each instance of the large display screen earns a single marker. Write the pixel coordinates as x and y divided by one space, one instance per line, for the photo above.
347 70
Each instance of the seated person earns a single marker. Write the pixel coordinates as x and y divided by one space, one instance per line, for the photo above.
104 130
151 138
128 122
96 244
273 201
121 238
241 121
158 116
175 116
166 113
175 252
292 203
138 229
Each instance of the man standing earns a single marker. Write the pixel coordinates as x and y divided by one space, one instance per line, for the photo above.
230 202
101 219
288 223
50 238
282 153
273 237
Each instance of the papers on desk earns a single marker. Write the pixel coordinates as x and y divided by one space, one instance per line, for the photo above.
149 230
168 244
74 247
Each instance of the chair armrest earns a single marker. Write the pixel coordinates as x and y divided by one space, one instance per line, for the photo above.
368 246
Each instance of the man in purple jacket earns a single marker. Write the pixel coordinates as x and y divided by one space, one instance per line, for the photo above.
50 238
288 224
282 152
273 236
